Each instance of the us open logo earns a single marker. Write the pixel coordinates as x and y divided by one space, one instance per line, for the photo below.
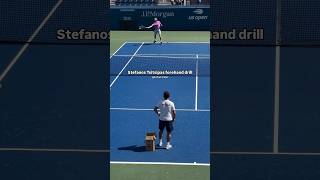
199 15
198 11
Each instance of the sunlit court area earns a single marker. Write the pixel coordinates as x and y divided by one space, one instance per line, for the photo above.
140 71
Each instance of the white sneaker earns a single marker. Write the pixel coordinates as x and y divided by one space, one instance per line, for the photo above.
169 146
160 144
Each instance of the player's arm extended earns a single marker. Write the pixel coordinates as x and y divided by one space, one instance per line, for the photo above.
150 26
174 115
155 109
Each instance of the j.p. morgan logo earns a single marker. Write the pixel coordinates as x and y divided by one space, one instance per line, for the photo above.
160 14
198 15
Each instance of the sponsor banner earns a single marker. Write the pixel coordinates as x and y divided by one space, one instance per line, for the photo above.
171 18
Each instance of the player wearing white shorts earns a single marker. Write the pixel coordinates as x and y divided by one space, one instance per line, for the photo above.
157 29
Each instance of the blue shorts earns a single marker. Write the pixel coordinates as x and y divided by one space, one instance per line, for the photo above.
166 124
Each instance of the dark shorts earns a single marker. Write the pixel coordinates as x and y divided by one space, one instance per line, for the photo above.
166 124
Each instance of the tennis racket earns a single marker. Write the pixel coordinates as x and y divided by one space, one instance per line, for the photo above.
142 27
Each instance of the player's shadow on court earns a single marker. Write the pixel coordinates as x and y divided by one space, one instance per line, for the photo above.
136 148
146 44
133 148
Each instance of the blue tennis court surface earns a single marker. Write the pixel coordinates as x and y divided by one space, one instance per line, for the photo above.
139 73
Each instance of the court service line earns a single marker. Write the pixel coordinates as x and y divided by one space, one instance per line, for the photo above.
114 54
160 163
266 153
175 54
196 94
126 65
31 38
56 150
175 42
142 109
162 54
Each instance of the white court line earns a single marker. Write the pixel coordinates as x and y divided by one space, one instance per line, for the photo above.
126 65
122 55
117 50
277 81
196 94
55 150
176 54
142 109
31 38
160 163
175 42
266 153
162 55
172 57
276 101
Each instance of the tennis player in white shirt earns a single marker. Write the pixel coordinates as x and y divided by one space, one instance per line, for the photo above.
166 112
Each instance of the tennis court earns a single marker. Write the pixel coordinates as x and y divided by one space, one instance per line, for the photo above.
139 73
